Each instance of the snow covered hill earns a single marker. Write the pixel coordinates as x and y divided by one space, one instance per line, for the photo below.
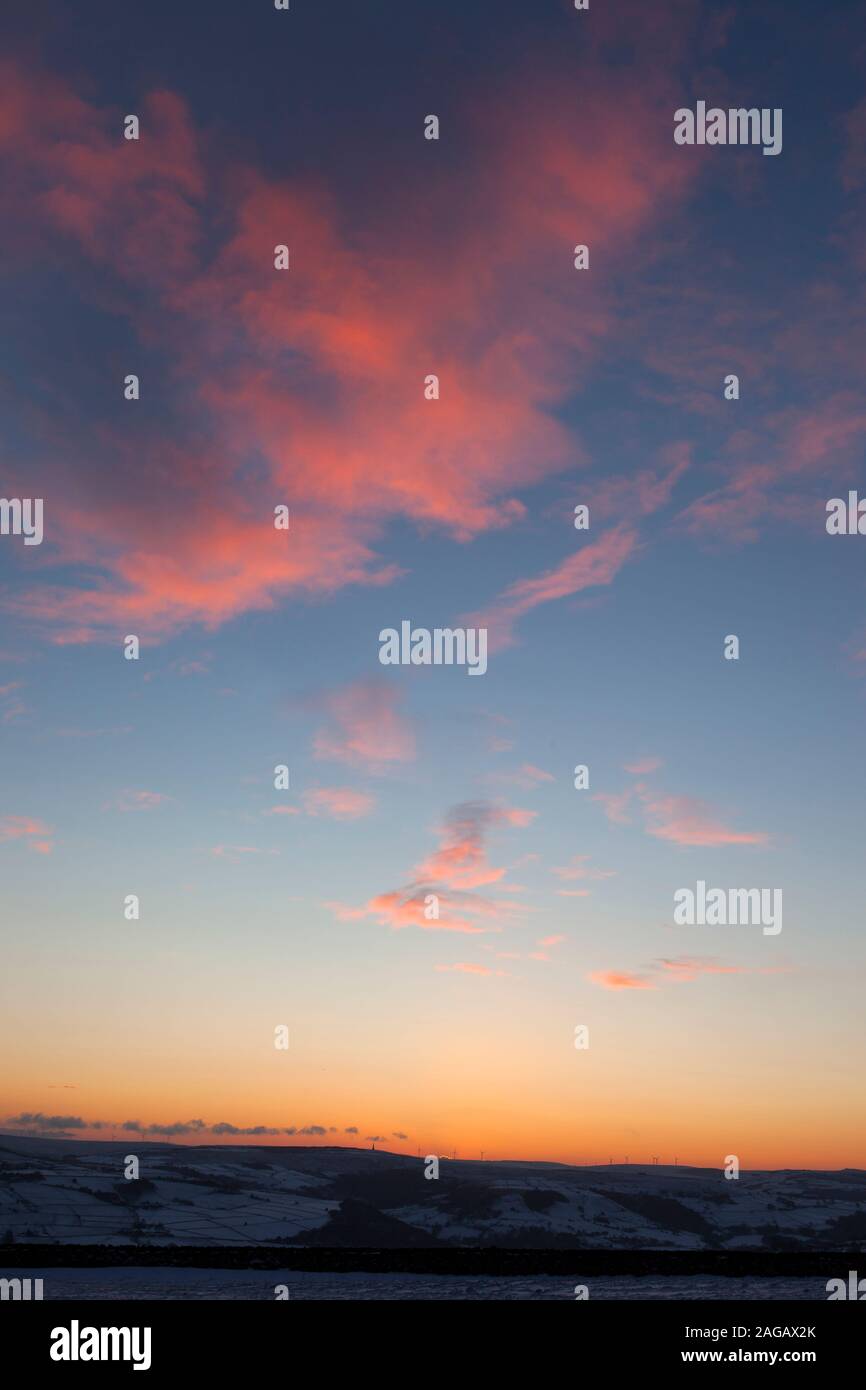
75 1192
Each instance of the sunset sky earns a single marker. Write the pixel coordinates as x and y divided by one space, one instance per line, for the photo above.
259 647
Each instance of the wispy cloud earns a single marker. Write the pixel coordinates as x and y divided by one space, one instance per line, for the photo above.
463 967
440 895
409 908
685 821
675 970
235 853
579 867
338 803
615 805
620 979
461 859
687 968
366 728
643 766
589 566
12 707
526 776
682 820
130 800
35 833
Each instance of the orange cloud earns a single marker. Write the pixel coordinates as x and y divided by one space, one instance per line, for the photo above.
679 970
619 979
466 968
687 968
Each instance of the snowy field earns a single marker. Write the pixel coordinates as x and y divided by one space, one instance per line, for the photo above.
75 1192
207 1284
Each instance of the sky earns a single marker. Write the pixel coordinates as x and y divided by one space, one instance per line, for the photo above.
416 787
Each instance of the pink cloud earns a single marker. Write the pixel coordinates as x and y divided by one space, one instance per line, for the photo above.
366 727
340 803
590 565
13 706
643 492
579 867
536 774
551 940
405 908
643 766
440 896
36 834
680 819
685 821
771 476
196 231
615 804
130 800
526 776
461 860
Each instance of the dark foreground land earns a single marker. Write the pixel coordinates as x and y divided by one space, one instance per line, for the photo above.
669 1263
